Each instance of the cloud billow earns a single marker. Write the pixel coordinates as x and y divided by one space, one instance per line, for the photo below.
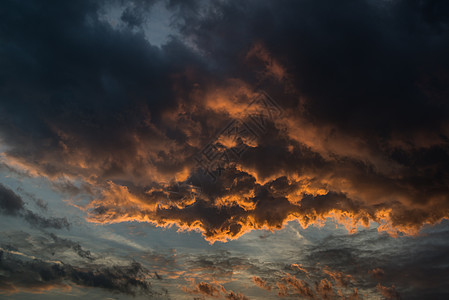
363 137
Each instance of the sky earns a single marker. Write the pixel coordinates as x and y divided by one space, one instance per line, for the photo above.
170 149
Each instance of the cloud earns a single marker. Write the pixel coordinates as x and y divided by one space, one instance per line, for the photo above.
36 276
211 274
388 292
340 278
366 259
42 222
360 135
205 289
216 291
347 149
66 243
299 268
261 283
12 204
377 273
237 204
283 291
234 296
46 247
301 287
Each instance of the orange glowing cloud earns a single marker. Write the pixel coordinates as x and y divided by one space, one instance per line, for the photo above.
214 290
389 293
299 268
295 169
261 283
272 66
244 207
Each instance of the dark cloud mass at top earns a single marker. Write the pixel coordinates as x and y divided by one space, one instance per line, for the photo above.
90 103
363 85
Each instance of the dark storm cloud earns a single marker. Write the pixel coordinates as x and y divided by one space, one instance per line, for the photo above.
45 222
373 82
68 76
360 63
34 275
12 204
41 204
363 86
375 71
